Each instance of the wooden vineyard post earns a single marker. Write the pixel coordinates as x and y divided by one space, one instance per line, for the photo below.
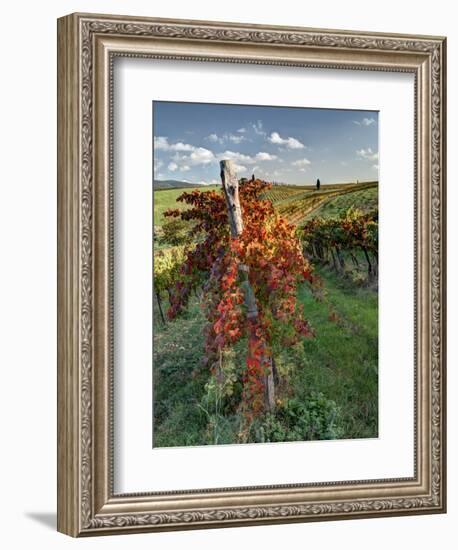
231 192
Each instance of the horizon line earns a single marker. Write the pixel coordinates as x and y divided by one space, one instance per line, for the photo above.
273 182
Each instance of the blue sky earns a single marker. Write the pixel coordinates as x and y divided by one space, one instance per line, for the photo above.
283 144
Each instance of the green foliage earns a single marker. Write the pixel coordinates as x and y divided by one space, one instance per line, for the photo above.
366 201
217 402
355 275
315 417
175 232
348 243
167 265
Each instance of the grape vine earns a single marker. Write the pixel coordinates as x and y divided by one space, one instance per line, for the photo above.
331 240
167 264
268 255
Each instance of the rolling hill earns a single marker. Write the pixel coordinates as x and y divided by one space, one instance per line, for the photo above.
174 184
298 205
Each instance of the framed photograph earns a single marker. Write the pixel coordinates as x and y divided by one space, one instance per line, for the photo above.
251 290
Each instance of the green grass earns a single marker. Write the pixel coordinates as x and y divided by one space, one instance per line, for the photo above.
177 354
365 200
167 198
339 363
280 193
300 207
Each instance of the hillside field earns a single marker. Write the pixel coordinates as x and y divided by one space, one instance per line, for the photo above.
297 203
167 198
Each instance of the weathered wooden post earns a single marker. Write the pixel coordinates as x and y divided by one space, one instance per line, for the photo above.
231 192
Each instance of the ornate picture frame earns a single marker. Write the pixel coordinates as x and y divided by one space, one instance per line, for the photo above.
87 46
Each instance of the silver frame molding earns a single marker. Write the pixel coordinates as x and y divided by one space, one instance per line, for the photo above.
87 45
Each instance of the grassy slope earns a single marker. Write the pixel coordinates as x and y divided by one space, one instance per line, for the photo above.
167 198
342 359
365 200
177 353
340 362
308 204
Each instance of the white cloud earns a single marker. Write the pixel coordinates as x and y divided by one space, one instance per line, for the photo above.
241 160
161 143
158 164
200 155
365 121
237 157
302 162
214 138
265 156
179 157
236 139
246 159
258 129
275 138
185 156
375 166
182 146
367 154
290 142
241 130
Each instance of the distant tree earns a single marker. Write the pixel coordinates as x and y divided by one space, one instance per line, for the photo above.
318 184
